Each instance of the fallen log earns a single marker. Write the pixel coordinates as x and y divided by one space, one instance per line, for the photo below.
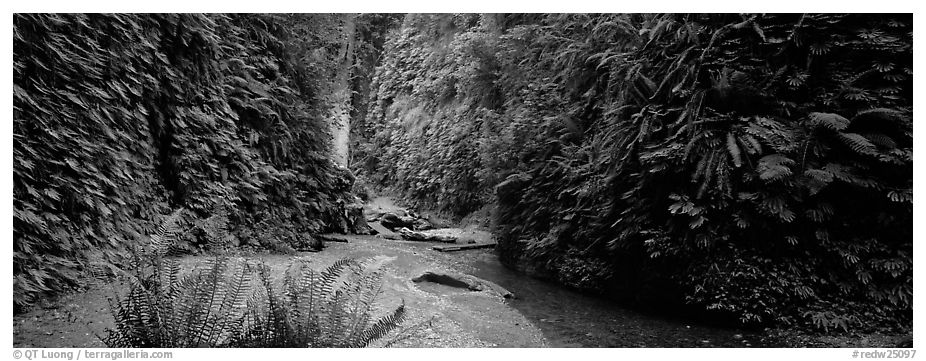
332 238
424 236
462 247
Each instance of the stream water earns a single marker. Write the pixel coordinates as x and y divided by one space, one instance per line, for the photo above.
572 319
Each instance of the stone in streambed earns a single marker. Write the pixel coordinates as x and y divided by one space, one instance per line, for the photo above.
384 232
424 236
422 225
465 281
394 222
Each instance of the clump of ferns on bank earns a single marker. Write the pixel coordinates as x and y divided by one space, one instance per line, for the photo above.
331 308
236 303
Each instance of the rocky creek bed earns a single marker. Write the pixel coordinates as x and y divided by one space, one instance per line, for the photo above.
436 317
540 314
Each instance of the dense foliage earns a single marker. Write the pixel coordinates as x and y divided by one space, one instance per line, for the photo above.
119 117
753 166
372 32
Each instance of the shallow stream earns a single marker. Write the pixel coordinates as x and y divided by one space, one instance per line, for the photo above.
569 318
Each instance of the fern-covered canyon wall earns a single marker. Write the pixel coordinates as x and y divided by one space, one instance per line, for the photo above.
119 119
755 167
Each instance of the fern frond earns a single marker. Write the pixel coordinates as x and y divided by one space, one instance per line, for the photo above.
817 179
741 220
858 143
382 327
849 175
828 120
751 145
367 290
774 167
901 195
881 140
165 239
230 311
777 206
734 150
327 282
820 214
779 137
878 114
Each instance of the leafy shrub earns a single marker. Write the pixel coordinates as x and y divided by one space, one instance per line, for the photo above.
223 305
166 309
201 309
758 166
331 308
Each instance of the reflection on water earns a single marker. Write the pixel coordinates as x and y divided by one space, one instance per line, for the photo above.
571 319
